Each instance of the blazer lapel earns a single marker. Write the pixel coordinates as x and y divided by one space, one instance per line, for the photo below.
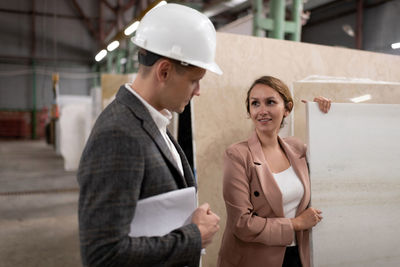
268 184
148 124
297 163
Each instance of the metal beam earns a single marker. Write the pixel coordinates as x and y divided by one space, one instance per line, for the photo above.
128 5
113 9
45 14
8 58
86 20
102 35
119 15
359 24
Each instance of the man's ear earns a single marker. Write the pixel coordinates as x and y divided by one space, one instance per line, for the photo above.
163 70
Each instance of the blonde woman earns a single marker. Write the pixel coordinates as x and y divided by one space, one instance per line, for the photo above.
266 187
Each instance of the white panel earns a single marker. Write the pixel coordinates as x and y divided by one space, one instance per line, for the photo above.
75 126
354 157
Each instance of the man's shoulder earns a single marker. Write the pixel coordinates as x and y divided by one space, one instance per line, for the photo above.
118 119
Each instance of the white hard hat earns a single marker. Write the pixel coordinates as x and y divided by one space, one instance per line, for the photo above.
181 33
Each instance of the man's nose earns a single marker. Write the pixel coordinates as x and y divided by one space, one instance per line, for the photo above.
196 91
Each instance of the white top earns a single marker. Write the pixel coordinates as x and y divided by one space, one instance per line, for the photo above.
162 119
292 192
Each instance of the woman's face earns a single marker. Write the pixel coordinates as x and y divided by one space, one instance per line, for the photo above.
267 109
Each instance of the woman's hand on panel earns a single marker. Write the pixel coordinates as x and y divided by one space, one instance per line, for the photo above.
323 103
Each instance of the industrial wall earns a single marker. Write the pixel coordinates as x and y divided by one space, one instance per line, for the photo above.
57 40
378 23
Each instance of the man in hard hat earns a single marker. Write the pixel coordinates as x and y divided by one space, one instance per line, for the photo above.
130 155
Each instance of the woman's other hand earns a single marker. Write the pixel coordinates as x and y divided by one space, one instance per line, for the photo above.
307 219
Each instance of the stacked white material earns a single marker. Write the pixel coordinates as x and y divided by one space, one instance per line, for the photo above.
75 125
354 170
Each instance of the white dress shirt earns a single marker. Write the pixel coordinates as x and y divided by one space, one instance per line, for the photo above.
162 119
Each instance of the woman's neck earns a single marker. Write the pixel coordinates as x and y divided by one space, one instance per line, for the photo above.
268 141
273 152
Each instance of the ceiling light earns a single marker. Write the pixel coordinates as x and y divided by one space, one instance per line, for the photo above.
234 3
112 45
360 98
396 45
101 55
348 30
123 61
132 28
222 7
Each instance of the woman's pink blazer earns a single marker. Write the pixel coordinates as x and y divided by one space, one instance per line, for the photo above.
256 232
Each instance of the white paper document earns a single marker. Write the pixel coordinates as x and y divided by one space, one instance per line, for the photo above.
160 214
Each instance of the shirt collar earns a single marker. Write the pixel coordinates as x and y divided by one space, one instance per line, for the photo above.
162 119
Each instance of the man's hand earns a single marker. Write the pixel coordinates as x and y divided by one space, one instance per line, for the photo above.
207 221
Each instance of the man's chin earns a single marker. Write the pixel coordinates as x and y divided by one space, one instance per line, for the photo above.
181 110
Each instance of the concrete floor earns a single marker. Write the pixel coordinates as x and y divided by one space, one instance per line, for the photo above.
38 207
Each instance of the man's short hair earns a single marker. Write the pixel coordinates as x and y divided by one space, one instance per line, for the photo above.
147 59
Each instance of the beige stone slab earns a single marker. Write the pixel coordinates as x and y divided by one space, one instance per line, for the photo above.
220 117
110 83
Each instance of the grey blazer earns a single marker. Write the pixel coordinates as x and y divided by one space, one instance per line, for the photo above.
126 159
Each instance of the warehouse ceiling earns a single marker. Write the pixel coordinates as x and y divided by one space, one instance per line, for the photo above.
105 18
39 26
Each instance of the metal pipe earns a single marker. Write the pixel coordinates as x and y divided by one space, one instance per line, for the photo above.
110 58
278 16
119 55
34 111
297 9
33 52
129 56
258 8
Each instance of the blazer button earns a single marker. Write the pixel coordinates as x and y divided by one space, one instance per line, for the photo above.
256 193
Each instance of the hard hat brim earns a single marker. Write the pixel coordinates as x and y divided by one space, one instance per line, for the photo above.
213 67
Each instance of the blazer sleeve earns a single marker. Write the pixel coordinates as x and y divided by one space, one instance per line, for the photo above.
246 224
110 176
